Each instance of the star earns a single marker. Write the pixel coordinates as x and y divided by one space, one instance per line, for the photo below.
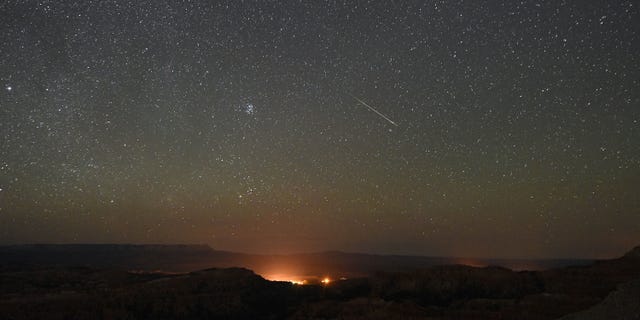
249 109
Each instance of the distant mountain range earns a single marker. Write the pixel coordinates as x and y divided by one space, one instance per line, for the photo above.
185 258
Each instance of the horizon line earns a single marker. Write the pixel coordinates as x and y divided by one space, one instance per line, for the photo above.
324 251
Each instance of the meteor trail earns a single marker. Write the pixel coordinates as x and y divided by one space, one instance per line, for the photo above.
374 110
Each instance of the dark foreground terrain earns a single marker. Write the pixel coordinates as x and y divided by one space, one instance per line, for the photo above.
608 289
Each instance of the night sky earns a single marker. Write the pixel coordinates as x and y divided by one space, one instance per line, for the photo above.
457 128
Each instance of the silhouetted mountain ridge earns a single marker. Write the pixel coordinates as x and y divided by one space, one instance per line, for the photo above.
633 253
185 258
441 291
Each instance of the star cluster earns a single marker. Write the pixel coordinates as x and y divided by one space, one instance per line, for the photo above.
238 124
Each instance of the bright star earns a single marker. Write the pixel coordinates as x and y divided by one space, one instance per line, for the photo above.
249 108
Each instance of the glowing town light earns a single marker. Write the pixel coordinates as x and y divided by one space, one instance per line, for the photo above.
326 280
286 278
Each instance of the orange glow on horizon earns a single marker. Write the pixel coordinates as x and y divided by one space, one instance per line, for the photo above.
298 279
286 278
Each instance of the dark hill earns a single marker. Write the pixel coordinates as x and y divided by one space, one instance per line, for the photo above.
185 258
92 294
623 303
171 258
441 292
633 254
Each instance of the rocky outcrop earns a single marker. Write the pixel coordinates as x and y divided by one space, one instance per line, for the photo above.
89 294
623 304
444 284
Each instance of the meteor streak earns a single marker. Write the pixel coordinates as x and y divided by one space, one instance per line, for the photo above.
374 110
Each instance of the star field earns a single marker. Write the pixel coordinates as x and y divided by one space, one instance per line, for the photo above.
238 124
